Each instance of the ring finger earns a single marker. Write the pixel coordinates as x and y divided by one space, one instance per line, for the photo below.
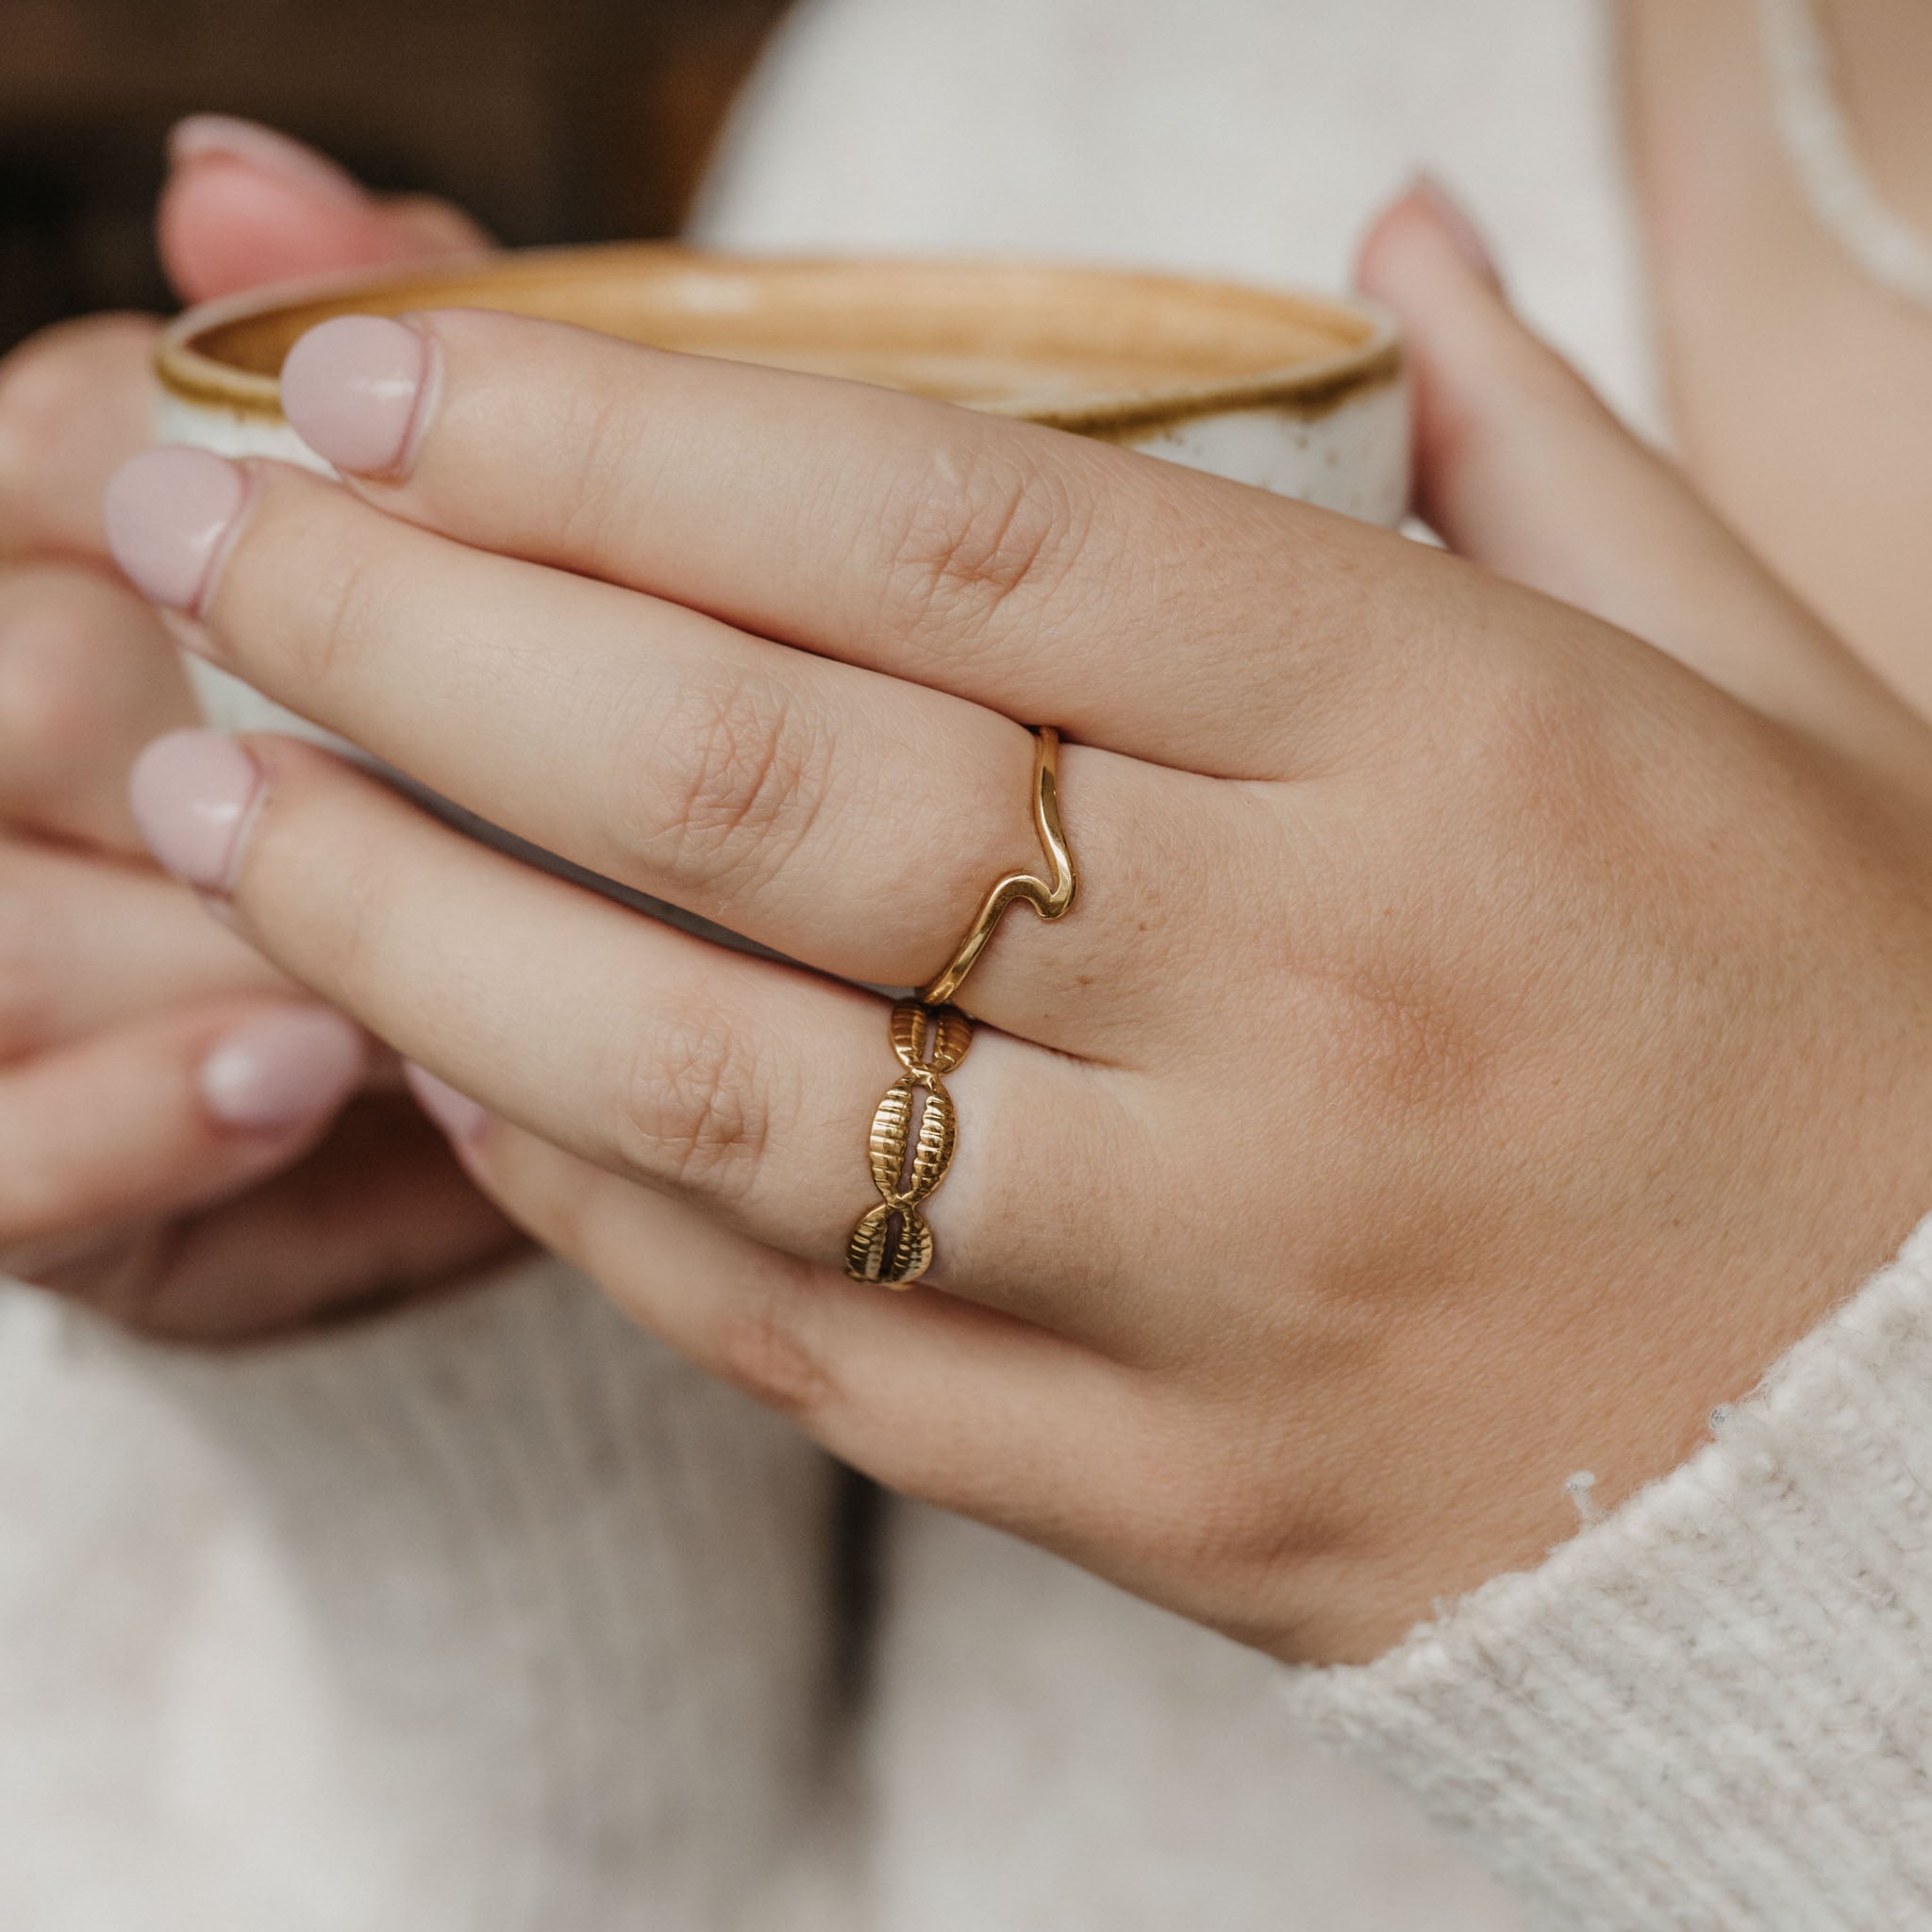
739 1084
843 818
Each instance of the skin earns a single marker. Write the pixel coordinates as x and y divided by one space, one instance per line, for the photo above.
1798 387
118 1186
1494 1026
1514 472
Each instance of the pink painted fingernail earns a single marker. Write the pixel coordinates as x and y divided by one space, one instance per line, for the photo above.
170 514
1458 227
224 136
352 388
193 794
282 1069
456 1114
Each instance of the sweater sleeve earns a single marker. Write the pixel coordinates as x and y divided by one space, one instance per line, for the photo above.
560 1613
1713 1708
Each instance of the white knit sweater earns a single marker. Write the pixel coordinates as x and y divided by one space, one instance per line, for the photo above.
491 1617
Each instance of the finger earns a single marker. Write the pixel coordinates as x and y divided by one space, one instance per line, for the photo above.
745 1086
76 400
244 205
1020 567
933 1397
85 946
163 1115
1521 467
846 820
74 405
379 1210
87 675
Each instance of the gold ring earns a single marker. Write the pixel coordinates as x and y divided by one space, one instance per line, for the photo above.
1049 901
915 1127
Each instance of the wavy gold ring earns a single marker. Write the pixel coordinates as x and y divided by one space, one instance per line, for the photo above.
915 1127
1049 901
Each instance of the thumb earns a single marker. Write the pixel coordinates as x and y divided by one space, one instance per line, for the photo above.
1522 468
245 205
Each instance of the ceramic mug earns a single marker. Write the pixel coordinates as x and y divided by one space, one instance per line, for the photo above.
1296 393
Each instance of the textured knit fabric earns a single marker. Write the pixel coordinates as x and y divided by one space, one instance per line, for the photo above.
1713 1709
492 1615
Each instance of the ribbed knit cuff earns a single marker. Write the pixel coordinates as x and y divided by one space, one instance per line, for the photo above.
1714 1707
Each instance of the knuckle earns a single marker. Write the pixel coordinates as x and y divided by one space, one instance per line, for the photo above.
770 1351
1402 1049
308 595
736 782
694 1113
1390 1040
980 527
1546 748
1527 731
603 471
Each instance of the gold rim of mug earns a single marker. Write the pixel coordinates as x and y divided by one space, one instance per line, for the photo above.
1368 350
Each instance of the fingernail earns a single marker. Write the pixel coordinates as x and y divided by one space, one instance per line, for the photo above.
456 1114
209 137
193 794
170 514
1458 228
282 1069
352 388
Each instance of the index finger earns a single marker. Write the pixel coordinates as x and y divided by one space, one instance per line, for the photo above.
1020 567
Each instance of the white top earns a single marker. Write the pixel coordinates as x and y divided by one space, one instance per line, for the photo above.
491 1617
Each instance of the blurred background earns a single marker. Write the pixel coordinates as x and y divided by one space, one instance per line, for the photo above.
549 120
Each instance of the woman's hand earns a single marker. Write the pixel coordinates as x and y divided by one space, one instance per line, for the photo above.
1485 1039
174 1145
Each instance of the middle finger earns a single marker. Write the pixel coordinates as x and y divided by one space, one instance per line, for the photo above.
843 818
740 1084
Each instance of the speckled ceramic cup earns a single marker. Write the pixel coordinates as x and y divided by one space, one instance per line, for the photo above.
1296 393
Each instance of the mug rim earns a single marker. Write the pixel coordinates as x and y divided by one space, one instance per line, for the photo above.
1310 386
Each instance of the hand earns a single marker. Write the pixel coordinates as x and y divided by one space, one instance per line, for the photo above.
1483 1042
169 1147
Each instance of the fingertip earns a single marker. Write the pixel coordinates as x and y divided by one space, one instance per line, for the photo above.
193 795
243 209
353 389
169 514
1425 238
1453 223
284 1070
204 137
244 205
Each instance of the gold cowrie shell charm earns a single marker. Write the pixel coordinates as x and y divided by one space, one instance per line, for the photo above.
913 1133
892 1245
933 1039
912 1136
